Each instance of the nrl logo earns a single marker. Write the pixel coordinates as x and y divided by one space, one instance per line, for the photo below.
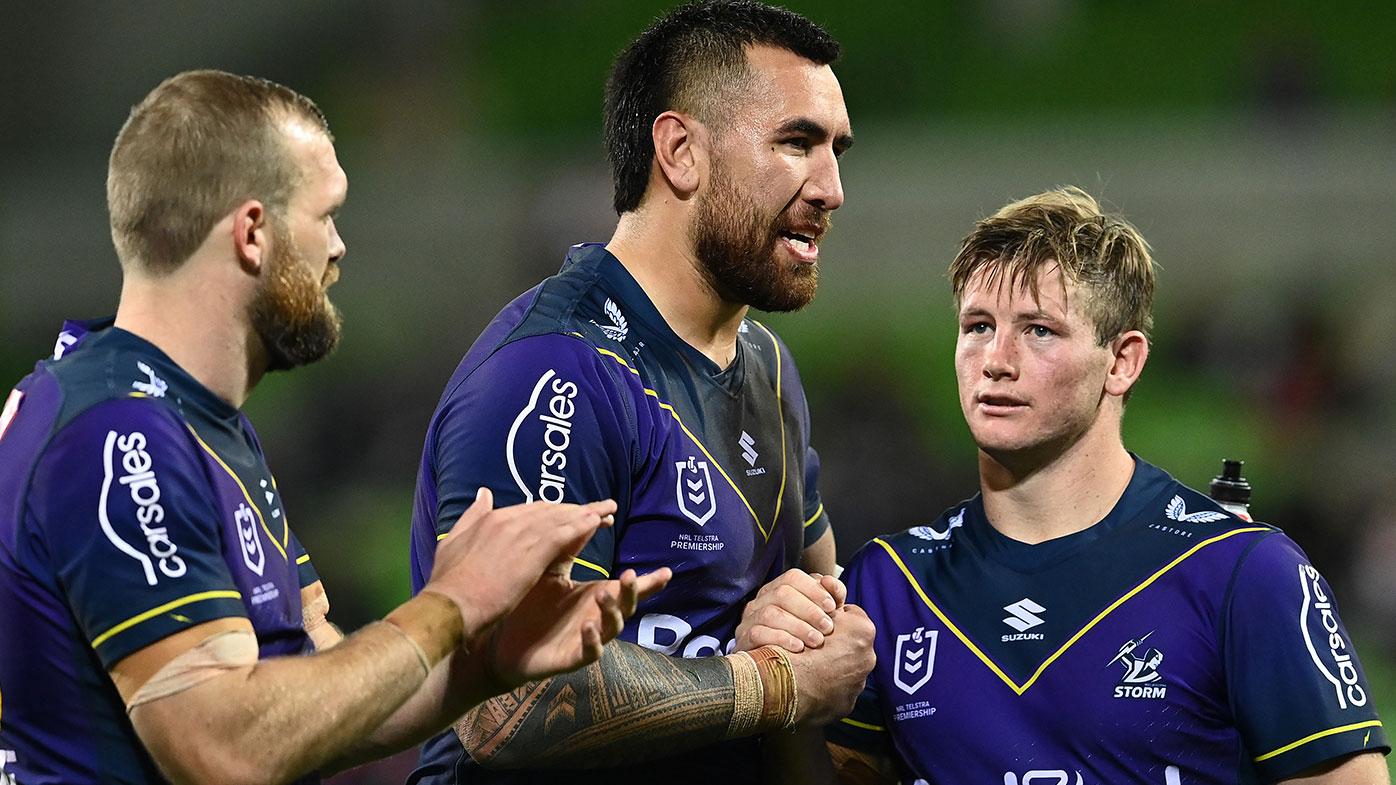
1178 511
694 488
618 328
916 659
927 533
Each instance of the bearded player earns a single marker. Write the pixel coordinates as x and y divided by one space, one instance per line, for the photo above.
158 619
636 374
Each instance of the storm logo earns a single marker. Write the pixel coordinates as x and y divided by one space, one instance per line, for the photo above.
1141 679
557 437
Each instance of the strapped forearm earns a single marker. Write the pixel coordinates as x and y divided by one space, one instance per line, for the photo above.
632 704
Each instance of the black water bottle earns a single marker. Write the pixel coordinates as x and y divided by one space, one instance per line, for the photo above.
1231 490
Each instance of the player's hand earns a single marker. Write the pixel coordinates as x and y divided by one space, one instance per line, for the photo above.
561 624
491 558
794 611
829 678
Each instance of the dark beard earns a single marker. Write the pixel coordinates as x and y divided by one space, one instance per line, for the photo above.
295 321
736 246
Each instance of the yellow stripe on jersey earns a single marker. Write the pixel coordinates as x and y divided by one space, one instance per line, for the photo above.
591 566
765 531
863 725
1020 689
303 559
279 546
138 618
1316 736
816 515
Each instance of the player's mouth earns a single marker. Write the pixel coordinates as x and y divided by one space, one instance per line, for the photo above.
998 404
331 275
802 244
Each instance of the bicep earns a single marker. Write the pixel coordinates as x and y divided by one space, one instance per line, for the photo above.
135 670
1364 768
820 556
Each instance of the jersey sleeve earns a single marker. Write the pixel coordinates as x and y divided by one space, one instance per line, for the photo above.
816 519
124 507
542 419
305 571
1299 693
864 728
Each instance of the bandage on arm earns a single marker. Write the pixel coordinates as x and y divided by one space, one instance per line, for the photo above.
214 656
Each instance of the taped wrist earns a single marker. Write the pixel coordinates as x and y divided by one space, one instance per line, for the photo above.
432 623
765 695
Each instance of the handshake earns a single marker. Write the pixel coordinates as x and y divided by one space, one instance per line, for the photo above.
811 651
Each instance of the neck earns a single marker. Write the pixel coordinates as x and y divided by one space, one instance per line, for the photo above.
662 261
1035 501
203 328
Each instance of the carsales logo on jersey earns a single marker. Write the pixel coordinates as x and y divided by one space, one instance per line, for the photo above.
1324 638
138 478
549 452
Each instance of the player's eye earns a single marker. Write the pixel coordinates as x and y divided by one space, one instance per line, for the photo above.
1041 331
800 143
978 328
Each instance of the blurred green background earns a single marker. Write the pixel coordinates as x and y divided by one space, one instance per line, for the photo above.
1251 142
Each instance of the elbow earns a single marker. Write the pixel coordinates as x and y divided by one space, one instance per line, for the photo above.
217 764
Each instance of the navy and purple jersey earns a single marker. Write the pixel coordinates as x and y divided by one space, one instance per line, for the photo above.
1171 643
134 503
580 391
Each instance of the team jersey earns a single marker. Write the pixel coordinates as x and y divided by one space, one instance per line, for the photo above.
580 391
1171 643
134 503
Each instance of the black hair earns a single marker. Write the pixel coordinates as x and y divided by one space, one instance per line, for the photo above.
686 56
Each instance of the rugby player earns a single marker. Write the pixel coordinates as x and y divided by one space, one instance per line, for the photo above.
1086 618
160 620
635 374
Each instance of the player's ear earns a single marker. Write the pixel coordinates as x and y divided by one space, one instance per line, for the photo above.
1129 350
251 235
679 151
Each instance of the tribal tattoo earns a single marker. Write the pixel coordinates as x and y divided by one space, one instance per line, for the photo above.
632 704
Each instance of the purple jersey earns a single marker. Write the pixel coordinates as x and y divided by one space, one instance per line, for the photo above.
134 503
1171 643
578 391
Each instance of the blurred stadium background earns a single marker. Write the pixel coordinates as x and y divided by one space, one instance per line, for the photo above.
1251 142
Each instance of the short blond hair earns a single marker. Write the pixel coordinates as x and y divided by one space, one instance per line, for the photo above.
1100 253
194 149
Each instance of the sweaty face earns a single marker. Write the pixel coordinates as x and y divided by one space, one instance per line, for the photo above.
1031 374
740 247
291 310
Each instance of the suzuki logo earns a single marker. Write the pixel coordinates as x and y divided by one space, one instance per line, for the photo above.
1024 614
748 448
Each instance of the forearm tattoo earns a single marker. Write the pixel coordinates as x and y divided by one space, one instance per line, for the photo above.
630 705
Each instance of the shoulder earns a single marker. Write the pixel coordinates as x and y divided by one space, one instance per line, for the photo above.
912 544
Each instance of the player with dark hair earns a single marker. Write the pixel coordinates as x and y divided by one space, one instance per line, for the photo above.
160 620
634 374
1087 618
